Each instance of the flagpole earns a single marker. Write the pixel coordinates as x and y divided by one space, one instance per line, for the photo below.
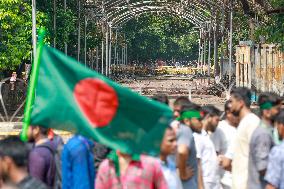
32 85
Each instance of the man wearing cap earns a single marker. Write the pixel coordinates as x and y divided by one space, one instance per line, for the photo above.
206 154
262 140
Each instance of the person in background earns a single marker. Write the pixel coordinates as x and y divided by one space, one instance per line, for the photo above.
41 158
187 162
240 107
275 170
13 165
205 151
161 98
228 127
178 104
168 147
210 122
122 170
262 140
78 167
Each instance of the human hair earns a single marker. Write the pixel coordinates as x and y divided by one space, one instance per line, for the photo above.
271 97
42 130
210 110
14 148
242 93
181 101
189 107
279 118
161 98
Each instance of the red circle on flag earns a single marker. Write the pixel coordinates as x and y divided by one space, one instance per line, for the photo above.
97 100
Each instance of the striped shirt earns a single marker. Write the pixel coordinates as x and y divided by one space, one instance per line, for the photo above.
143 174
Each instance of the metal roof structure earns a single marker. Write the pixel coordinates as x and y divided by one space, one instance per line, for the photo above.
209 16
197 12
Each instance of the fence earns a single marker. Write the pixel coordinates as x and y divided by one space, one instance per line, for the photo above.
260 67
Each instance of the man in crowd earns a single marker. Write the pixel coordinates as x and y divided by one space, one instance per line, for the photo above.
262 139
13 165
210 122
41 159
206 154
168 147
122 170
228 127
178 104
275 171
186 152
240 106
78 167
161 98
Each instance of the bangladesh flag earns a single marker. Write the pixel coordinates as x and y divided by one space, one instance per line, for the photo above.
71 97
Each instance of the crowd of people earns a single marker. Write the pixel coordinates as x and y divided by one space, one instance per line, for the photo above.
202 148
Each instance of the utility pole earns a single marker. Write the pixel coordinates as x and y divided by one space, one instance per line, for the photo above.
85 41
34 28
79 28
102 59
65 44
209 51
231 43
109 56
54 23
107 50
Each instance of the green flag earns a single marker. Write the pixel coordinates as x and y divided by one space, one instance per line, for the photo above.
71 97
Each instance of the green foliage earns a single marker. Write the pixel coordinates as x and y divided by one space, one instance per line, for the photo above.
15 31
152 37
273 29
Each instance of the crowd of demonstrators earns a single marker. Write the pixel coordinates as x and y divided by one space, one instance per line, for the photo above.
200 149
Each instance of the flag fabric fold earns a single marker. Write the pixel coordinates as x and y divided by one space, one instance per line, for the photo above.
71 97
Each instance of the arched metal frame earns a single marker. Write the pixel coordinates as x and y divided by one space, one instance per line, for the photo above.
201 13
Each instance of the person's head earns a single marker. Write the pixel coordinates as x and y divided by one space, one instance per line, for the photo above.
231 118
179 103
191 116
13 155
169 142
36 132
161 98
211 117
269 105
279 123
240 99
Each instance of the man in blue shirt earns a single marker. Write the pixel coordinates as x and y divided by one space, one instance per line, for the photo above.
275 169
78 171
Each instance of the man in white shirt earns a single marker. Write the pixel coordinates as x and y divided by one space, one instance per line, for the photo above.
228 129
240 106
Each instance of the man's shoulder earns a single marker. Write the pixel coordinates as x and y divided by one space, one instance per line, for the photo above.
31 183
252 118
278 151
43 149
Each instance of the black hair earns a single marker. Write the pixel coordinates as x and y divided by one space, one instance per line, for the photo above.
189 107
279 118
42 130
181 101
242 93
161 98
14 148
210 110
271 97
